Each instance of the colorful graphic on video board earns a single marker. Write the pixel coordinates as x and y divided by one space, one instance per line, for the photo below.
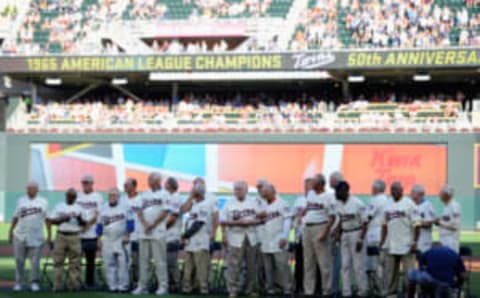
59 166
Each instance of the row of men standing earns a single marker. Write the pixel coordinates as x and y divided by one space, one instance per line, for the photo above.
149 226
397 227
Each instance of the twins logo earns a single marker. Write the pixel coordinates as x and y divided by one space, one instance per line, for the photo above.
396 214
272 215
24 212
347 217
107 220
88 204
152 202
315 206
446 218
238 214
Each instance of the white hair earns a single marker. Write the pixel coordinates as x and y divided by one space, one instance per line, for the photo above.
114 190
418 189
379 185
269 187
241 184
199 189
156 176
337 176
448 190
32 183
263 182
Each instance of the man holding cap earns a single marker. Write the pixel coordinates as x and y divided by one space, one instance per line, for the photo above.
90 202
70 218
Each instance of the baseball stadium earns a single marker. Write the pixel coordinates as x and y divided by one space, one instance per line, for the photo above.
229 148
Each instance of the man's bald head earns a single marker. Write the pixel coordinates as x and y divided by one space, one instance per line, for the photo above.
396 189
32 189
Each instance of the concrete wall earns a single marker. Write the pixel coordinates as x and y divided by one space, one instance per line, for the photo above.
14 155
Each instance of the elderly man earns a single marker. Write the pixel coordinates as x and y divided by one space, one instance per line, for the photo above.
26 234
131 198
299 224
239 219
197 242
274 243
319 216
353 227
91 202
450 222
401 226
425 214
152 235
174 231
375 217
213 223
260 229
115 224
70 218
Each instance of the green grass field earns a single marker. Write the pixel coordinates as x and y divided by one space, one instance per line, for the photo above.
7 272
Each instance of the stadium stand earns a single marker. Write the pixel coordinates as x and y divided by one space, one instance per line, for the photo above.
380 24
244 113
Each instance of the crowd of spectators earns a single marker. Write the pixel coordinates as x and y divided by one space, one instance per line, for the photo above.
224 8
246 111
177 47
409 23
317 28
146 10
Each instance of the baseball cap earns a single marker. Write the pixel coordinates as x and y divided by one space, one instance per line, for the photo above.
87 178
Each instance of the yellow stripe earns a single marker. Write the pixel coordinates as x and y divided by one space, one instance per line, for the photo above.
69 149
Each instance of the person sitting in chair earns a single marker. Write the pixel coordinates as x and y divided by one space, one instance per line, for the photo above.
441 271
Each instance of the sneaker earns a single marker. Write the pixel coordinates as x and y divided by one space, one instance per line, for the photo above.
35 287
17 288
139 291
161 291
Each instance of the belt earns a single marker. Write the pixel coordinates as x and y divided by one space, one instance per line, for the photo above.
352 230
69 233
311 224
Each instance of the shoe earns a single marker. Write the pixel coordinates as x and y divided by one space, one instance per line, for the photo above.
35 287
161 291
139 291
232 296
17 288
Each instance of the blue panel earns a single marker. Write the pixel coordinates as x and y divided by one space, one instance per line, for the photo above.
186 159
151 155
180 158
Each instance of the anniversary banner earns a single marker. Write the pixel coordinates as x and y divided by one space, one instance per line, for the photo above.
321 60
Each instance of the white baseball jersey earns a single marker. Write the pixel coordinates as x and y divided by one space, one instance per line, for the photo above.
31 214
400 220
450 224
133 204
90 203
277 212
300 204
174 203
152 205
246 210
202 212
352 214
260 229
73 210
425 212
319 207
375 211
212 201
114 221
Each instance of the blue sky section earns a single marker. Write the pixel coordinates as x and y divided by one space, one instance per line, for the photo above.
180 158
